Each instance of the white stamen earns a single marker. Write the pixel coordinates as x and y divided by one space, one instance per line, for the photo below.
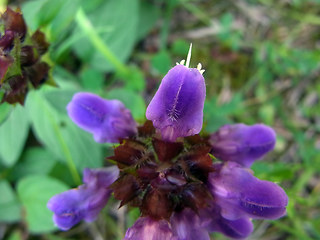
199 66
177 63
189 56
202 71
182 62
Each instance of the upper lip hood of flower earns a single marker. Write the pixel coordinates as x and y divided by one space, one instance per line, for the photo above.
177 107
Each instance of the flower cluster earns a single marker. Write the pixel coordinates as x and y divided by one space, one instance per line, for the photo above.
186 185
20 55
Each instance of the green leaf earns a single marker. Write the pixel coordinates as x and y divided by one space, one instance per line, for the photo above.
133 79
48 11
16 235
132 216
267 114
131 100
9 204
226 21
63 18
148 15
5 109
34 160
54 237
217 115
180 47
60 135
34 193
92 79
91 5
64 79
121 16
276 172
13 134
161 62
59 99
30 10
60 171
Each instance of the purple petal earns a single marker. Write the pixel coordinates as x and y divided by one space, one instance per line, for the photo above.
239 228
240 194
241 143
177 107
107 120
101 177
146 228
84 202
6 41
187 226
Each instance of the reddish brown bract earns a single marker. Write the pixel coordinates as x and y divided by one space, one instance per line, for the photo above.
162 177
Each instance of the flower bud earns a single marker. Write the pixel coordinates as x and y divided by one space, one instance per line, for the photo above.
107 120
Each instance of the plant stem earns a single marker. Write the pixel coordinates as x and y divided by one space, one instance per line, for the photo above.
85 24
66 152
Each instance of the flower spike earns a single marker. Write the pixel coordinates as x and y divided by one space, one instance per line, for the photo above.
182 192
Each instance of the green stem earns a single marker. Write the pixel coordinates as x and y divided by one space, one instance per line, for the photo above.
70 163
303 180
67 154
290 230
85 24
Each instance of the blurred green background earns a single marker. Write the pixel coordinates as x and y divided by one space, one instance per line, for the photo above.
262 65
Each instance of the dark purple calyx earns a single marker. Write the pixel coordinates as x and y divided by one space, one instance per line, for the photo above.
21 67
162 177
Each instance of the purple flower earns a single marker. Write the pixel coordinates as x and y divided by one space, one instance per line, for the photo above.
184 225
239 194
107 120
238 228
181 191
6 41
177 107
146 228
84 202
241 143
